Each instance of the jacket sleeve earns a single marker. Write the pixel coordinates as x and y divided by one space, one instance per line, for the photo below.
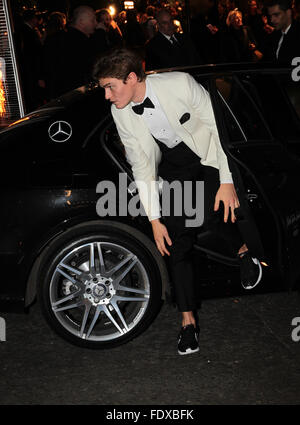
144 175
200 100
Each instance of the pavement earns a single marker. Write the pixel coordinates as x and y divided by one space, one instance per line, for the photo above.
249 355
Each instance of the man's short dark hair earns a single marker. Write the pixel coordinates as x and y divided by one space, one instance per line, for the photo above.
283 4
100 13
119 63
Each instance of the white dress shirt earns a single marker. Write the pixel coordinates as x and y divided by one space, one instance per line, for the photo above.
168 37
157 121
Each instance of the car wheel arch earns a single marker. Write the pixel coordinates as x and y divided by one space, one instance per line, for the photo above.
32 281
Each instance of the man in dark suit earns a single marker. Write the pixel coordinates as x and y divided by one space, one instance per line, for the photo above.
106 35
30 57
72 54
284 42
168 48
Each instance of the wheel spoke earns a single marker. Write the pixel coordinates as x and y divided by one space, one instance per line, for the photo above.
134 290
108 314
121 276
92 260
119 265
96 315
85 317
102 266
117 310
68 307
65 299
120 298
66 275
72 269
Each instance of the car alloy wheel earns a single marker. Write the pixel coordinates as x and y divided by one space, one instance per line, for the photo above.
101 288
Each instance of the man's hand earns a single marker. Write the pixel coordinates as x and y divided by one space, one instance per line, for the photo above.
160 234
228 196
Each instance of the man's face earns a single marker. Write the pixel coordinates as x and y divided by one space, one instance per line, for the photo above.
117 92
165 24
252 7
106 20
89 22
280 19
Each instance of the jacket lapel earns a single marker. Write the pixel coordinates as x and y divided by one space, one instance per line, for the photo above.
170 109
141 132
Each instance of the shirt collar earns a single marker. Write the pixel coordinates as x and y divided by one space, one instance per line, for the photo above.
287 30
148 93
168 37
28 24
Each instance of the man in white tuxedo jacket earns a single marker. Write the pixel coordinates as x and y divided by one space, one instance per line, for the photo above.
168 129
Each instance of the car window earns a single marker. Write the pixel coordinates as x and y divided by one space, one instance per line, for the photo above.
242 114
292 90
278 98
233 128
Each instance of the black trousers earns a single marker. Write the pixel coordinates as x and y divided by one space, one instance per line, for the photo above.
182 164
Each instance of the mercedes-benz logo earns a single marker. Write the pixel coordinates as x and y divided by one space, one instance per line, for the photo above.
60 131
99 290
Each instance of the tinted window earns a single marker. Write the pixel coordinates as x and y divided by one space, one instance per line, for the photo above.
292 90
242 113
278 98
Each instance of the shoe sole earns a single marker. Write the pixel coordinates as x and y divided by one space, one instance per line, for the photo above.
257 262
188 351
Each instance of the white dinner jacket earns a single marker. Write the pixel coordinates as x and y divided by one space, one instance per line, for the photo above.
181 98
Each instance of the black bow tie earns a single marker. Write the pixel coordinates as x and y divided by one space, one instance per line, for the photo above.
139 109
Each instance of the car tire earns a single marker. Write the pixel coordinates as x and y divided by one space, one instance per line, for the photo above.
99 284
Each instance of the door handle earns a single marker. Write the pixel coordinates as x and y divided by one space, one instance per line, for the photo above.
251 196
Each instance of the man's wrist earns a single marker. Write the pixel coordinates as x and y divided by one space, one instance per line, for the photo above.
226 181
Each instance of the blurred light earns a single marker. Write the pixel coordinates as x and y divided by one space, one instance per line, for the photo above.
18 122
128 4
2 97
178 26
264 264
112 10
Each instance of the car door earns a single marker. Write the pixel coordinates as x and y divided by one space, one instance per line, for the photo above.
265 169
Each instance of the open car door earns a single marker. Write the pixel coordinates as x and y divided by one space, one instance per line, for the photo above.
265 171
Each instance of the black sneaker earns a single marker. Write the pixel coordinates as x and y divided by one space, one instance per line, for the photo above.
251 270
188 340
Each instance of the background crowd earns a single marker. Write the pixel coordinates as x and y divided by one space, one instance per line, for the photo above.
56 52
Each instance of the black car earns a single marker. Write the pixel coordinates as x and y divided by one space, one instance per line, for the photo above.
100 281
